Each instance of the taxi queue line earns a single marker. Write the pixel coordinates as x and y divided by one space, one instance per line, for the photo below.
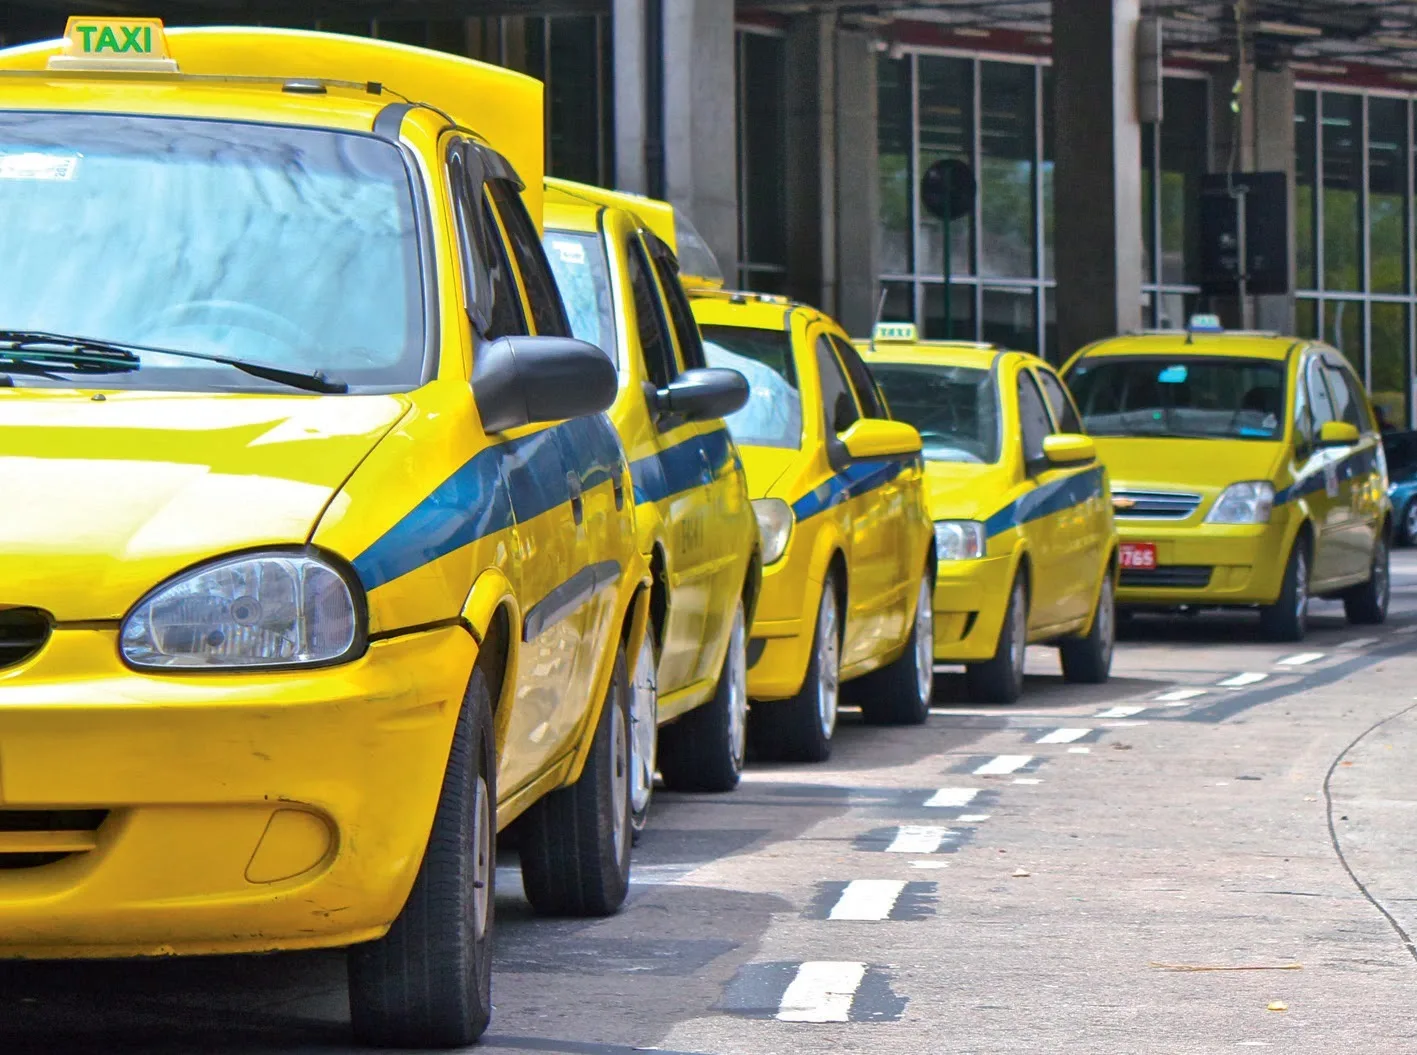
466 499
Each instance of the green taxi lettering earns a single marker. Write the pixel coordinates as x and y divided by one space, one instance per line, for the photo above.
136 39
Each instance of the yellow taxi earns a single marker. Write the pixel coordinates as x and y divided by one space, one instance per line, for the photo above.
1023 519
620 283
848 549
1247 471
318 555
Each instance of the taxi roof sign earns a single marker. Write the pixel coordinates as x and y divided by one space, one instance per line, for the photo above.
118 45
903 332
1205 324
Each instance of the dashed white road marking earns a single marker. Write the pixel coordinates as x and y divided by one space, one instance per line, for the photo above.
1359 642
1406 629
1120 712
951 798
1063 736
1079 750
1027 780
1239 681
973 818
929 864
822 991
917 839
1179 695
1299 660
867 899
1003 765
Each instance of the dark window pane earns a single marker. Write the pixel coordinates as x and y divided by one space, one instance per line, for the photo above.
1148 201
547 311
686 331
899 305
897 184
1051 350
1389 360
1033 419
1306 317
1009 318
1343 190
837 402
1205 397
959 325
573 99
524 40
764 148
1064 412
1006 150
1343 328
1046 175
946 131
650 323
404 30
1183 162
861 382
1305 154
1387 194
763 279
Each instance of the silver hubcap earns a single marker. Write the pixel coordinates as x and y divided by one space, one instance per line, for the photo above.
482 863
619 779
1380 581
1301 587
925 641
828 664
736 673
1018 631
644 727
1411 522
1105 618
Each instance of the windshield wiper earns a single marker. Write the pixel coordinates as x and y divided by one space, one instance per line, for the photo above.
90 355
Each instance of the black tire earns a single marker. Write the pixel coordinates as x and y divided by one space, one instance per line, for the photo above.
704 750
575 842
900 693
1087 660
1366 604
800 729
1288 618
1406 533
644 732
427 983
1000 678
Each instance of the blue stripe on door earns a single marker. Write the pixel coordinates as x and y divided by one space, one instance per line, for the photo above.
1046 500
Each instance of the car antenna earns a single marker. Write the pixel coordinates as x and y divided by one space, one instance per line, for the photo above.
880 310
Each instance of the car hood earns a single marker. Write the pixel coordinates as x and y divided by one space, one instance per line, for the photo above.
1204 466
764 468
963 490
106 498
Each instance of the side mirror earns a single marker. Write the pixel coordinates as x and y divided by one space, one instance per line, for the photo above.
523 380
703 393
1337 434
878 438
1069 448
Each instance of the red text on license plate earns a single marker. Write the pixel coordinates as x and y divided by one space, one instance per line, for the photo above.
1138 554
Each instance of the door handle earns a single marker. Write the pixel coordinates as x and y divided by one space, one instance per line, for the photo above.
573 484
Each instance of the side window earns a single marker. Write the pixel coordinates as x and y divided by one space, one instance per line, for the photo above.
507 315
1350 404
1303 417
686 330
547 311
1033 419
655 345
1064 412
861 380
1320 405
836 394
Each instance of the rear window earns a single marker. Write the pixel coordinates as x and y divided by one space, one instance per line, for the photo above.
583 277
954 408
772 416
1193 397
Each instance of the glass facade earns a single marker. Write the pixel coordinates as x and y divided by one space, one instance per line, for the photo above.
761 73
1353 235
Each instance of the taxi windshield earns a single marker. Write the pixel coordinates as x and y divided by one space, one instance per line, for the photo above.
296 248
1193 397
954 408
772 417
583 278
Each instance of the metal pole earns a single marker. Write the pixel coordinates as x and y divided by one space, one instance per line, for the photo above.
949 237
1242 263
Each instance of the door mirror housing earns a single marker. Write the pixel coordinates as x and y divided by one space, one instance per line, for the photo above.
879 438
708 392
1069 448
520 381
1337 434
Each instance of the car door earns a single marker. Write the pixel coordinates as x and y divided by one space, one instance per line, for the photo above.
1359 470
1316 478
1052 583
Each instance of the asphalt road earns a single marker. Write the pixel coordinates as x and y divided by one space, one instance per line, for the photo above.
1225 828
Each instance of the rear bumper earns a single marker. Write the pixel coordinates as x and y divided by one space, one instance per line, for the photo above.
1207 564
241 812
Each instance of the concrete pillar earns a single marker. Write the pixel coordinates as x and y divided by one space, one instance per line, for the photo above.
700 123
810 171
1274 152
1097 237
857 223
627 23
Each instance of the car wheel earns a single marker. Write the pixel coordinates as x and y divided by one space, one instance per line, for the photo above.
1087 660
1288 618
1366 603
1409 524
644 730
427 983
703 750
800 729
900 694
575 842
1000 678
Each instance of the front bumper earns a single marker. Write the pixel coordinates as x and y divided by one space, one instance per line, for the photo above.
971 599
240 812
1206 564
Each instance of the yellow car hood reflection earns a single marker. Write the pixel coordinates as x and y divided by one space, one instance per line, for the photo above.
1167 464
764 466
106 498
964 490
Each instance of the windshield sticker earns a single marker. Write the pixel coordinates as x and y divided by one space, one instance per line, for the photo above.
38 166
569 252
1173 375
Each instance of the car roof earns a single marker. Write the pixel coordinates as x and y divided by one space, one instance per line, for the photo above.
1233 343
761 311
930 353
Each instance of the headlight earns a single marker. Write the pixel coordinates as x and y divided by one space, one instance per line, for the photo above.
260 610
775 525
959 539
1243 503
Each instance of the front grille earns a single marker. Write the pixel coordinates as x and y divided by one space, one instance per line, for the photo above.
1182 576
34 838
23 632
1154 505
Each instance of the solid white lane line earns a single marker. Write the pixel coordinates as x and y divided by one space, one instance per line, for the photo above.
1179 695
1119 712
950 798
1299 660
917 839
822 991
867 899
1359 642
1063 736
1239 681
1003 764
